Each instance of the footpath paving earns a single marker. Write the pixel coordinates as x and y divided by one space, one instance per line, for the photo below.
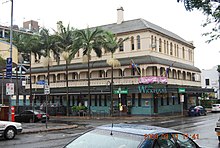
70 122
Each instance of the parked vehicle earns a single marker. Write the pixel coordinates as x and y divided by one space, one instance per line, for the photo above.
215 107
8 129
217 129
32 116
132 135
196 111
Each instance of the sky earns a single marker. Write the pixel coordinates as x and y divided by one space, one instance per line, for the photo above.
83 13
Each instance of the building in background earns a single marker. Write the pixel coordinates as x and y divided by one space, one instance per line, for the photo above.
210 79
31 26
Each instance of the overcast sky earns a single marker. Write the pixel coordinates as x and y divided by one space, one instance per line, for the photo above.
82 13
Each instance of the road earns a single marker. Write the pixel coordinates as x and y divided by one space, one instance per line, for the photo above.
202 127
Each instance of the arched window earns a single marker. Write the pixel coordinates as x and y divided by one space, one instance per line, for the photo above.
177 50
171 48
155 42
183 52
165 47
132 43
121 46
152 41
138 42
160 45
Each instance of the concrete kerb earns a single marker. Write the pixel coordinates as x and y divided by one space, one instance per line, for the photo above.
44 129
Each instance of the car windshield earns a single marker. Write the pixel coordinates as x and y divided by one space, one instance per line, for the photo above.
103 139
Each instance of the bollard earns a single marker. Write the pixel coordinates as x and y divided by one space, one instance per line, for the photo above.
13 114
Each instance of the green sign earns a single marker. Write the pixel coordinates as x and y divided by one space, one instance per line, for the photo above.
120 91
181 90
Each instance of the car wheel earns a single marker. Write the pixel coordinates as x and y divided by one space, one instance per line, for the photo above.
31 120
9 133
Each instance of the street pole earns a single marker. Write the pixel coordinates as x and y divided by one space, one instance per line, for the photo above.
112 92
3 78
10 50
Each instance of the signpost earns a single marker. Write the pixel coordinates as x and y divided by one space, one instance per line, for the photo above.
46 92
119 92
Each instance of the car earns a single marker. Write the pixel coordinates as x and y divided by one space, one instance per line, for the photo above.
217 129
196 111
32 116
8 129
130 136
215 108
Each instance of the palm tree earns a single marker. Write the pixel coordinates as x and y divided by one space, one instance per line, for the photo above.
110 44
65 40
27 44
90 40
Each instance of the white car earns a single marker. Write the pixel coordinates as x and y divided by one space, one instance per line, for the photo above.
8 129
216 108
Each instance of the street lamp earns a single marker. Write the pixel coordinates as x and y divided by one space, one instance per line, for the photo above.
47 63
113 63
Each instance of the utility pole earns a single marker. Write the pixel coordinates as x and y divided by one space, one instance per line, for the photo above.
10 50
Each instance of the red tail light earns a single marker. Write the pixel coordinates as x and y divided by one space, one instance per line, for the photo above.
39 116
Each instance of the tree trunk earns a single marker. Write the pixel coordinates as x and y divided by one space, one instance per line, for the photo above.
89 100
67 90
30 83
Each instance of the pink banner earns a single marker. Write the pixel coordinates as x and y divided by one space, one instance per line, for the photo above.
152 79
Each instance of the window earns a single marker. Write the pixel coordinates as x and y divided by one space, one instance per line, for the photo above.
152 41
161 101
95 100
78 54
160 45
138 42
207 82
121 46
173 97
168 101
100 100
177 52
171 48
139 99
105 100
133 100
132 43
183 51
165 46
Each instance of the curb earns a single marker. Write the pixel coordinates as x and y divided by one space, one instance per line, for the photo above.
48 129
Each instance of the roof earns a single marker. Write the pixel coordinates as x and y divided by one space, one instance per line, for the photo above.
140 24
124 62
137 129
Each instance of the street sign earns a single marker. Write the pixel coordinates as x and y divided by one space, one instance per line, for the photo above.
46 89
121 91
181 90
9 88
40 82
9 67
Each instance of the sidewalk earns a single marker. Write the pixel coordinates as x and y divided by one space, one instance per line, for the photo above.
70 122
